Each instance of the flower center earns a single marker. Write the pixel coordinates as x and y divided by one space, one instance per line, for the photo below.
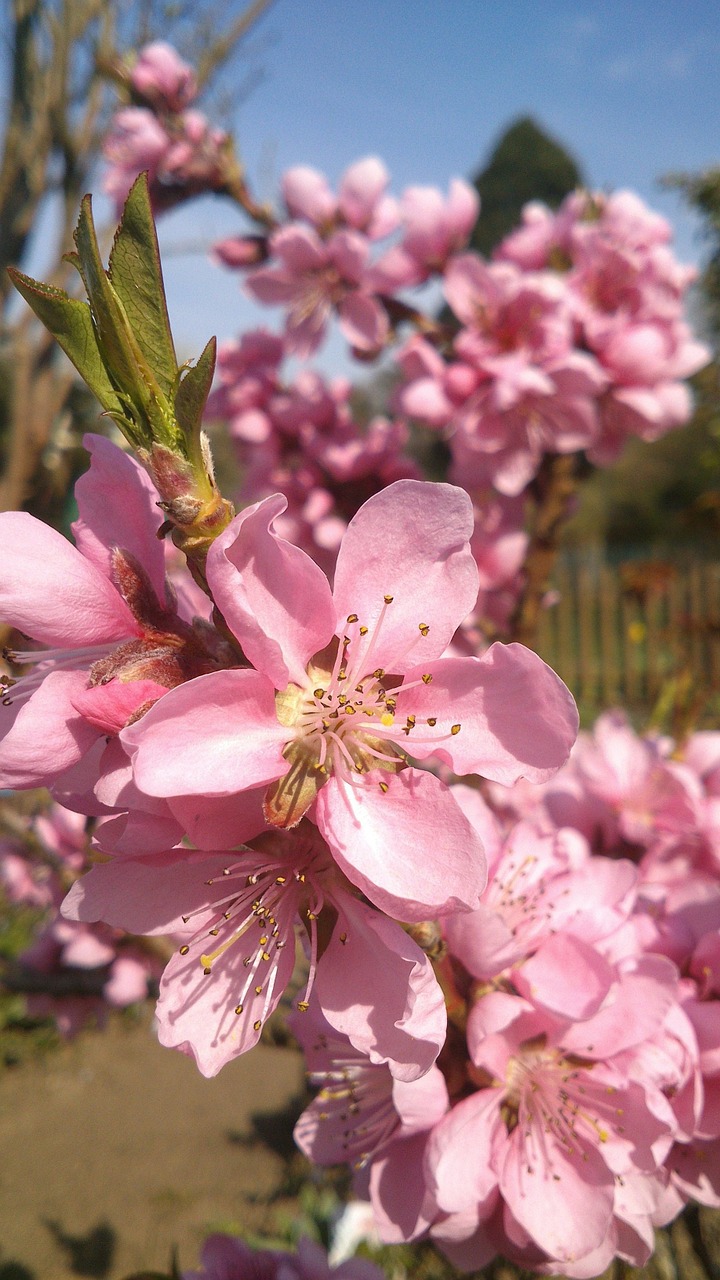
344 721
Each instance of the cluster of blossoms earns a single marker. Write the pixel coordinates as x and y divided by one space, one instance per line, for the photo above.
508 993
163 134
573 1108
300 439
572 338
296 732
73 973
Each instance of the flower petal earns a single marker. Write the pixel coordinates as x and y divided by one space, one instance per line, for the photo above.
410 541
213 736
517 718
377 987
50 592
273 596
410 848
45 735
118 507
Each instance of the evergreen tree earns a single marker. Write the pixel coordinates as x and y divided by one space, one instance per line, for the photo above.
526 165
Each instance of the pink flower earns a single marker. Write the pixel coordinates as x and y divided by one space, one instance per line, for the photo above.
161 77
558 1120
183 155
115 643
435 228
227 1258
364 1116
345 683
361 202
313 278
235 914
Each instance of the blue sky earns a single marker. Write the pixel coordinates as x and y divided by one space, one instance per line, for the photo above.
629 86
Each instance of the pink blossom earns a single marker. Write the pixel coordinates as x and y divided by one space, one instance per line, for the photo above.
405 579
235 914
361 202
390 1121
115 643
434 229
162 78
183 155
228 1258
313 278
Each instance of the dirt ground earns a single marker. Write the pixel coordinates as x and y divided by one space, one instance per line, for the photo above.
112 1150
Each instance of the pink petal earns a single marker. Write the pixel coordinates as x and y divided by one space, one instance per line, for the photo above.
45 735
633 1011
146 895
299 248
220 822
361 187
349 251
517 718
421 1103
363 321
398 1190
196 1011
213 736
410 541
563 1201
273 286
375 837
118 507
307 194
50 592
566 977
377 988
110 706
458 1152
274 598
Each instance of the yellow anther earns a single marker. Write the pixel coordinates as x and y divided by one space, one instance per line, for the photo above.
410 722
388 599
427 678
378 673
363 631
258 990
238 1008
318 693
184 951
432 721
352 617
455 729
257 1026
266 955
303 1006
343 938
263 940
342 674
342 699
350 709
423 628
281 879
387 718
383 786
391 703
311 915
214 932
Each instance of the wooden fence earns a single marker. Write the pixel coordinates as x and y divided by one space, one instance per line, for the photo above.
617 635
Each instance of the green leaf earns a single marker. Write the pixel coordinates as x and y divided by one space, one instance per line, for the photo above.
121 352
70 323
191 397
136 275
